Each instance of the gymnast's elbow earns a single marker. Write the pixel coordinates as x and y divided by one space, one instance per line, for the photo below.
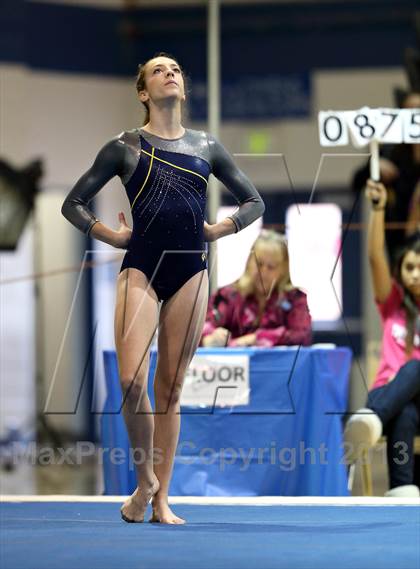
257 210
260 207
70 210
65 209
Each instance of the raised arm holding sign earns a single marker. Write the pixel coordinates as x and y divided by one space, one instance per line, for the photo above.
396 163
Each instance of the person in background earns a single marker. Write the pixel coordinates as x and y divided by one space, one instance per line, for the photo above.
262 308
393 403
400 173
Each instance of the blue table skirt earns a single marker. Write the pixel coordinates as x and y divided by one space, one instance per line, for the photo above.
287 441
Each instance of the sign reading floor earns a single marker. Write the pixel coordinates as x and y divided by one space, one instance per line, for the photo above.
217 380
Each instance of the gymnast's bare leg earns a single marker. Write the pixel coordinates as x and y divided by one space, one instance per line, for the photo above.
180 326
136 319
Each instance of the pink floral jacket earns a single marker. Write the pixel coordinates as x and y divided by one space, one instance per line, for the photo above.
285 321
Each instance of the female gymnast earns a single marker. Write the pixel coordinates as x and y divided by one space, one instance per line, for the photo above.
262 308
393 404
164 168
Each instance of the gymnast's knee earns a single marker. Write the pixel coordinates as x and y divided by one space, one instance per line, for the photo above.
167 394
134 386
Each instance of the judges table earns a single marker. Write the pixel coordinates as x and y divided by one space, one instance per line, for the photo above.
254 422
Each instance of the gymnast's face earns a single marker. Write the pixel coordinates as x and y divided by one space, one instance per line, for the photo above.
164 81
268 267
410 273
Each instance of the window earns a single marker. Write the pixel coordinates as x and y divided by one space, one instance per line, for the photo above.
314 237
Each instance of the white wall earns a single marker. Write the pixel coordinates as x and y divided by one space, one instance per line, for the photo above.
17 338
64 119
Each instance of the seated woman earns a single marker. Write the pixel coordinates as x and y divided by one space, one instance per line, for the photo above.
393 402
262 308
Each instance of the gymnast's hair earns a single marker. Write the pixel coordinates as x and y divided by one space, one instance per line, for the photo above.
268 240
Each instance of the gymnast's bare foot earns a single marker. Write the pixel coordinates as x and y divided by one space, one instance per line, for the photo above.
135 506
162 513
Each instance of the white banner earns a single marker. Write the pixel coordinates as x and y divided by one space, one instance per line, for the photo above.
366 125
217 381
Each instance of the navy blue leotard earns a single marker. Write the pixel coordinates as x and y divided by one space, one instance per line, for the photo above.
166 184
167 193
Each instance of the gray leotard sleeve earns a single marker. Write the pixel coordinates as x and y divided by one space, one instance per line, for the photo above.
120 156
251 206
117 158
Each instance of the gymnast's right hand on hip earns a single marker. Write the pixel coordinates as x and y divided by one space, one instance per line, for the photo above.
123 235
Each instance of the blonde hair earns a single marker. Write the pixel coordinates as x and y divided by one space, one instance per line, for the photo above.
276 243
